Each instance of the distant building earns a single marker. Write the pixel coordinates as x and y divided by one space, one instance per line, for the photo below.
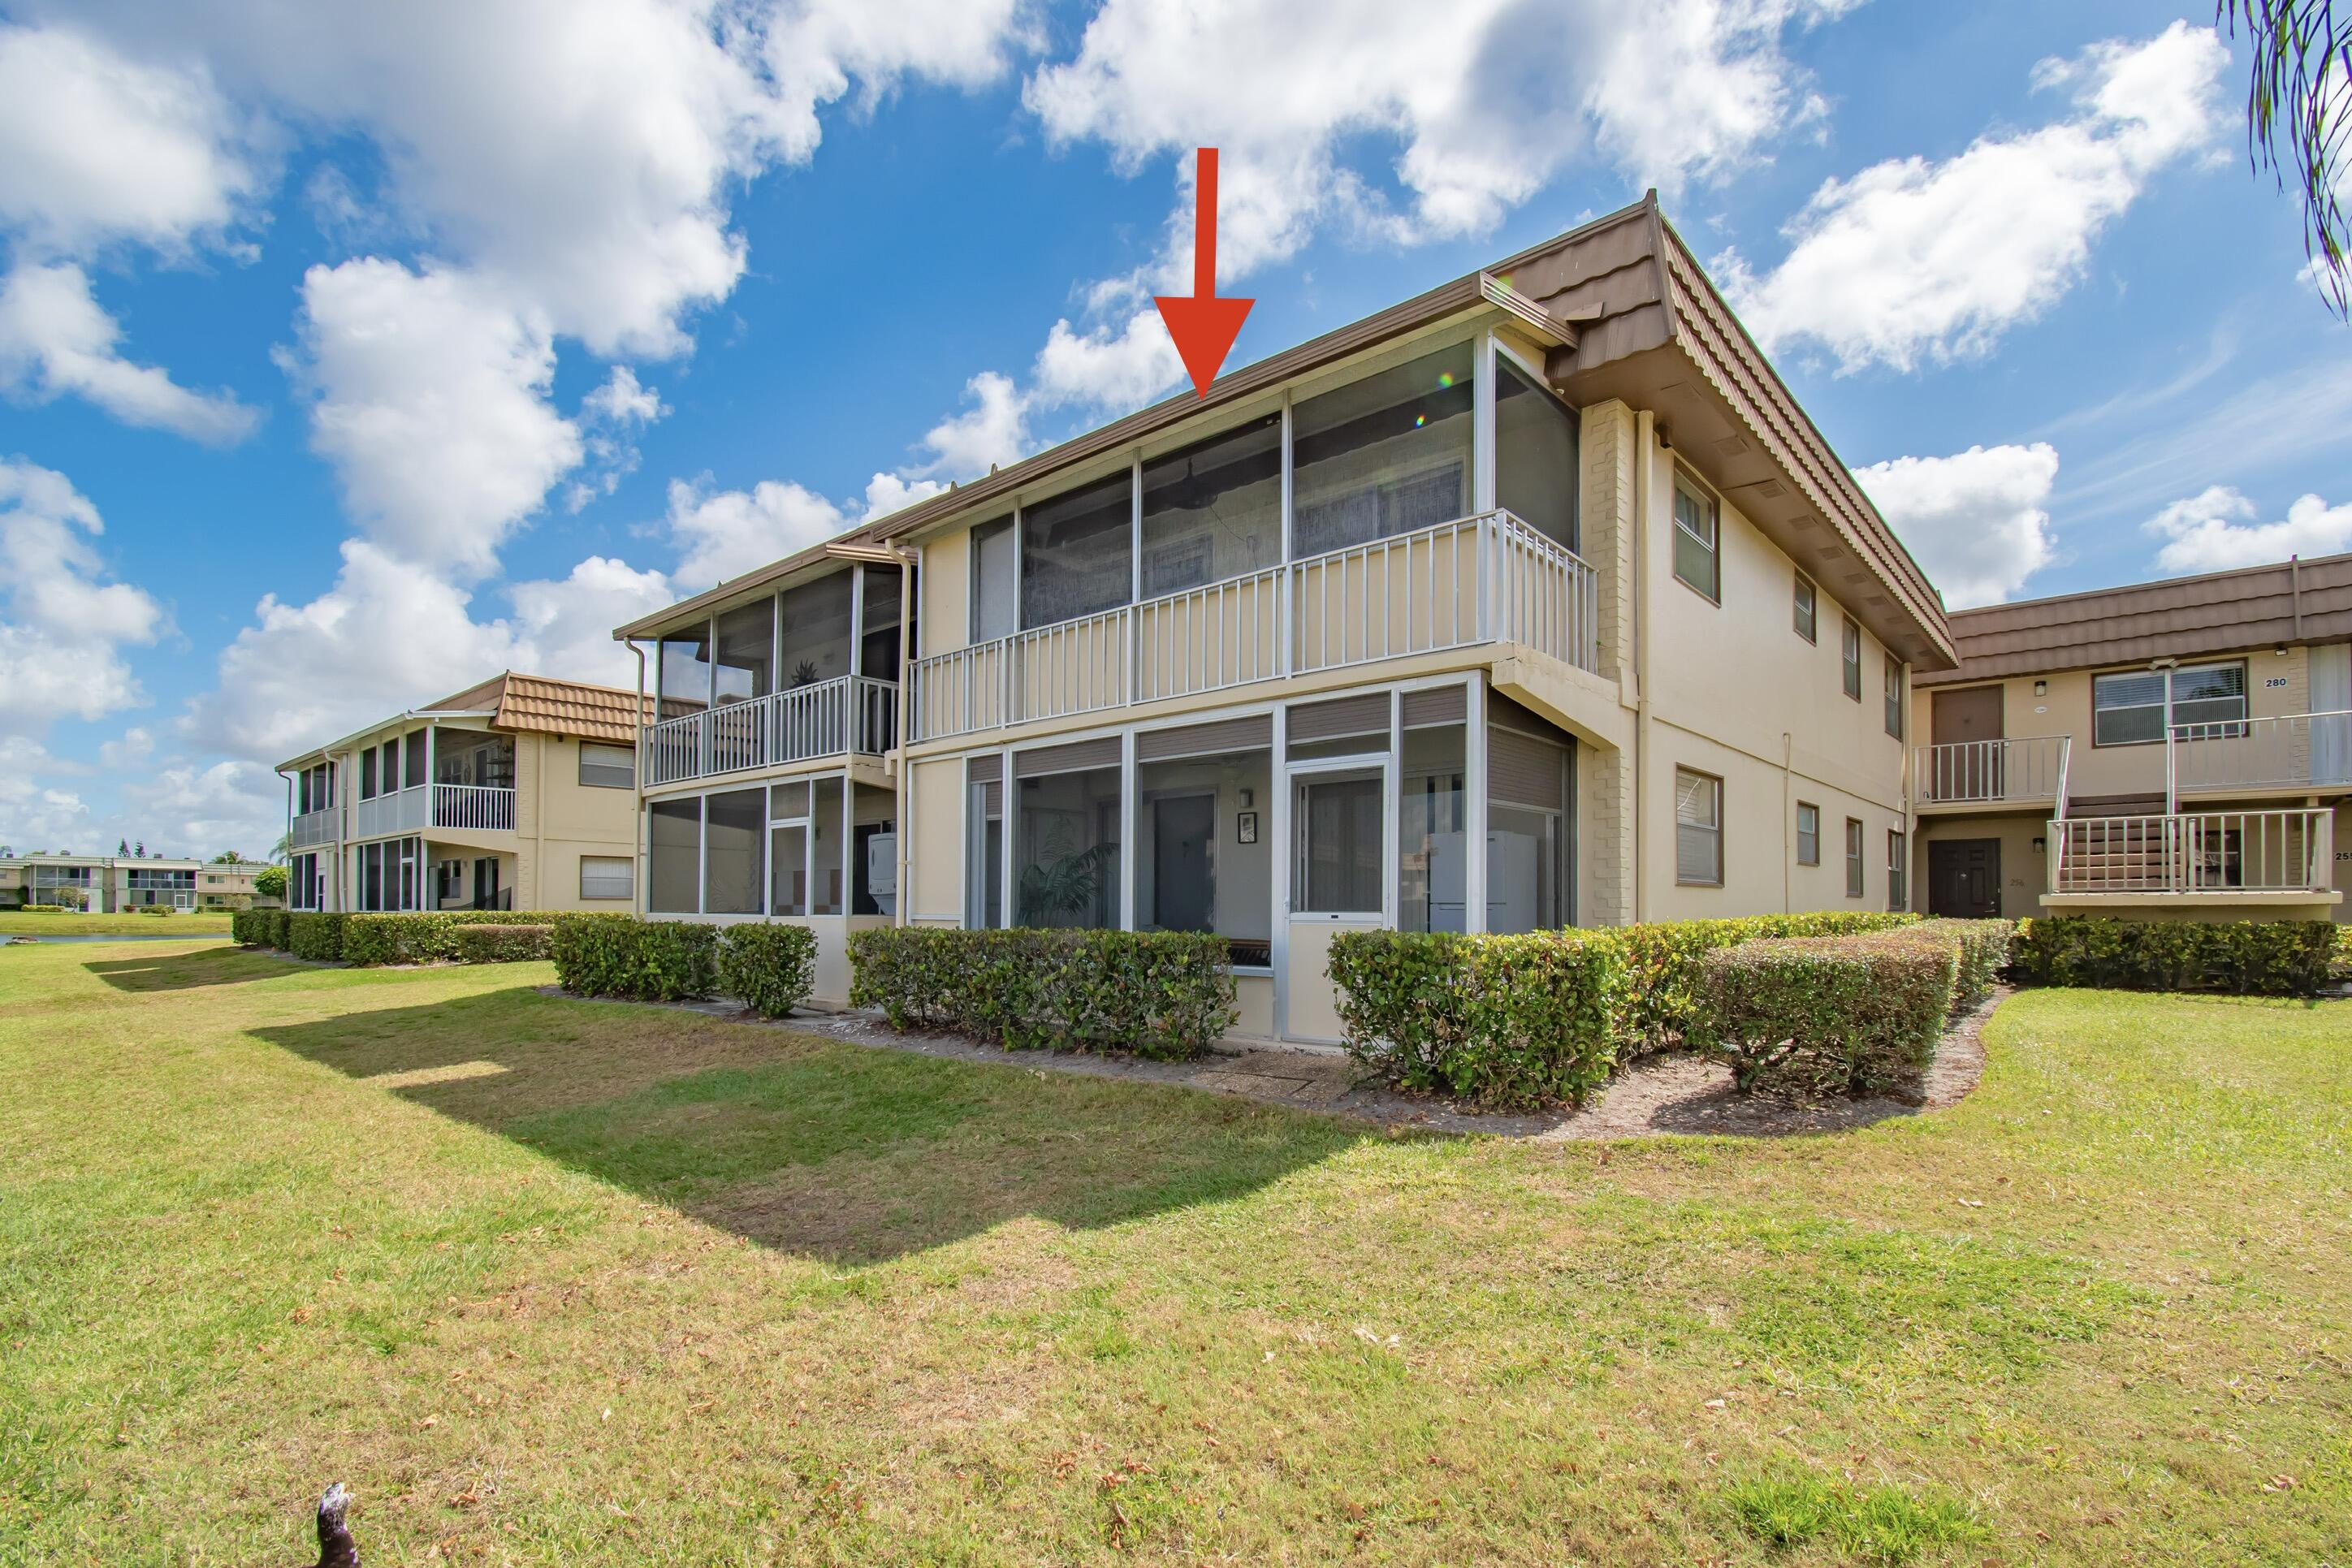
112 885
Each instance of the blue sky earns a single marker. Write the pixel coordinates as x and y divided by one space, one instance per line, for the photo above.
344 359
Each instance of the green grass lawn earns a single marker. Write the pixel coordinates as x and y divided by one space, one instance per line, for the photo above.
16 922
550 1281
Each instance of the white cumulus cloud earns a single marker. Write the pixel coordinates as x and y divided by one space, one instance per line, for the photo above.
1914 260
55 339
1976 522
65 624
2218 529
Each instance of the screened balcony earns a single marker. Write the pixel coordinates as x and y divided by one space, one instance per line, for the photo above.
808 673
1347 527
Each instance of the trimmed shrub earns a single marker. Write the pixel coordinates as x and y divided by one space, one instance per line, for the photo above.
501 943
154 909
1162 994
642 960
2264 958
1662 992
769 968
1830 1015
245 927
273 928
311 934
1516 1022
1985 946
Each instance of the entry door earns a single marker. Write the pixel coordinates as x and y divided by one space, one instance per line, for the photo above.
1340 876
1971 718
1964 878
1183 880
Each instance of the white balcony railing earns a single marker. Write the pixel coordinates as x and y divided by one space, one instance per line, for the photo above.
314 828
478 807
847 714
2206 855
2283 751
1487 579
1990 772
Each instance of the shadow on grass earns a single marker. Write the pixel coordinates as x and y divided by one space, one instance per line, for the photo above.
845 1153
186 971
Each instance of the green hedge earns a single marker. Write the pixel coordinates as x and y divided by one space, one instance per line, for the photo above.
1830 1015
642 960
1986 949
1662 996
154 909
2266 958
1503 1021
503 944
315 935
1164 994
769 968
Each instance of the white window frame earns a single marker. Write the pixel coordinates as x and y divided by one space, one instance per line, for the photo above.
1805 602
1850 657
1898 885
1713 830
1857 861
628 751
1804 807
628 874
1712 542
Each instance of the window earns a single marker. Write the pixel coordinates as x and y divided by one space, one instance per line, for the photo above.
1894 696
367 774
1806 619
1529 779
878 653
607 767
815 632
1849 651
1534 453
1338 827
1078 553
1853 872
1809 834
992 583
2128 708
1382 456
1065 851
1212 510
734 852
983 879
828 886
1895 880
674 854
744 653
1698 829
387 777
1697 556
413 770
682 672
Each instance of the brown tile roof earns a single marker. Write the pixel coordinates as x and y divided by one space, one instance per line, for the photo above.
2183 616
551 707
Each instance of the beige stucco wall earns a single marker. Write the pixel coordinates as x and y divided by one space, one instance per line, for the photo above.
559 820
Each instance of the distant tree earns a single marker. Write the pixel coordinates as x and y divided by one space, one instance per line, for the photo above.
270 881
2299 121
140 852
122 847
283 849
227 857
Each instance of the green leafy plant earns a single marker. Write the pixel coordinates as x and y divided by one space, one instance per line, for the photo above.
2264 957
1166 994
1517 1022
1831 1015
487 943
769 968
269 882
1064 884
639 960
314 934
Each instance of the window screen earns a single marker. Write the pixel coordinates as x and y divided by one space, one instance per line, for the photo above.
1698 827
1213 509
1849 651
2211 698
1895 886
1535 454
413 766
1078 553
1894 696
1806 618
1382 456
992 582
1854 869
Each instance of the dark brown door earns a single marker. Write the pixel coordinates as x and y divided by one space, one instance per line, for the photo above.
1969 719
1964 878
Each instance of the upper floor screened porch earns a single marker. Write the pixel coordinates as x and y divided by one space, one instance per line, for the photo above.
1422 501
804 672
437 775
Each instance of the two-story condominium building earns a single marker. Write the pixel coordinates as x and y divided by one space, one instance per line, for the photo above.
1533 599
2173 748
108 884
517 793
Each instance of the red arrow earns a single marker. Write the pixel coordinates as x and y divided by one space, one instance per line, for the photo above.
1204 326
